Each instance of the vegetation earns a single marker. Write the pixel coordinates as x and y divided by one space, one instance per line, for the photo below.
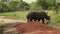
22 15
11 8
21 5
19 9
48 4
15 15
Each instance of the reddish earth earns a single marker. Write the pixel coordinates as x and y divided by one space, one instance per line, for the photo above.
36 28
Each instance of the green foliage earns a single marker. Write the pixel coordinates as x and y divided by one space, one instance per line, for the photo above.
17 5
54 17
48 4
34 6
43 3
25 6
3 7
13 6
4 0
22 15
57 17
15 15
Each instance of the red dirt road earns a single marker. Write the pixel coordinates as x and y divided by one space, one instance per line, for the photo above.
36 28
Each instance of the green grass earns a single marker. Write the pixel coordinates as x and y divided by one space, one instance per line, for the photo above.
54 17
17 15
57 17
22 15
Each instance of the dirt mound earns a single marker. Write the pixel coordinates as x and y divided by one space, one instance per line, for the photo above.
35 27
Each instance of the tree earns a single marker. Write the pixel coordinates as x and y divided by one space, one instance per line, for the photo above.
18 5
57 6
15 5
3 7
25 6
48 4
34 6
5 0
42 3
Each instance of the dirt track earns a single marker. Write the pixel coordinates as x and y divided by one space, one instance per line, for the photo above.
9 23
4 20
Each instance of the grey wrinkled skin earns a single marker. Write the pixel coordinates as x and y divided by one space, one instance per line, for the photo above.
37 15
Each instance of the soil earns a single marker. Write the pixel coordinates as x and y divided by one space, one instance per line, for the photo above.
8 24
36 28
12 26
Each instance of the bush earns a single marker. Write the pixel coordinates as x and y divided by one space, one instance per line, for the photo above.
3 7
13 6
34 6
18 5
